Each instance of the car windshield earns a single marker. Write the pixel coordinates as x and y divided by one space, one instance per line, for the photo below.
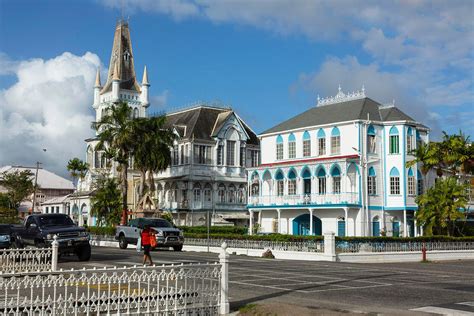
57 220
5 229
158 223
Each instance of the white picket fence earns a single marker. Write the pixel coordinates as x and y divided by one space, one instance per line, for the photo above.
184 289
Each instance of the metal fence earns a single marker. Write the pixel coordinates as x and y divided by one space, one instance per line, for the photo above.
184 289
354 246
24 260
306 246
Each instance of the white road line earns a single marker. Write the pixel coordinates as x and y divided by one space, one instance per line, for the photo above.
466 303
442 311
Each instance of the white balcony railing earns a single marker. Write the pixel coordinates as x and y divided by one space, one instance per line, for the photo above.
305 199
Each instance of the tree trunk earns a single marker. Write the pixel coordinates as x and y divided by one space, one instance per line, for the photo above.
124 187
142 183
151 181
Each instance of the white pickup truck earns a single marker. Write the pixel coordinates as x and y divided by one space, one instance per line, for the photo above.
166 234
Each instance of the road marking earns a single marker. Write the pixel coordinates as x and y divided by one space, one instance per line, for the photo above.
442 311
466 303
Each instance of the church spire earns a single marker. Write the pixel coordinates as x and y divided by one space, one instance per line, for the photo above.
145 78
122 59
97 79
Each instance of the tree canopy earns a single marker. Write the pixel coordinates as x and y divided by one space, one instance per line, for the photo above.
106 202
19 186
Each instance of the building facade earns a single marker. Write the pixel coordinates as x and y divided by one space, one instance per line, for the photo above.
208 173
339 166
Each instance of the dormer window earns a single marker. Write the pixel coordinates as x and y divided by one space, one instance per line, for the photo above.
126 56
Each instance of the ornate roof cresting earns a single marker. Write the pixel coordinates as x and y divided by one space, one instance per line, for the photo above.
342 97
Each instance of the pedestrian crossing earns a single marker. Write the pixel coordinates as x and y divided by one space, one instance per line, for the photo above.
455 309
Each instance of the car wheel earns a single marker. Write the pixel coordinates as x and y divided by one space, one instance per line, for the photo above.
178 248
84 253
123 242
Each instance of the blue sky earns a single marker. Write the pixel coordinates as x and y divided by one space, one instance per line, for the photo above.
268 59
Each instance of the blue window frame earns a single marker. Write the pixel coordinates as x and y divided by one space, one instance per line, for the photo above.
306 144
394 181
321 142
292 146
372 182
394 144
341 228
279 147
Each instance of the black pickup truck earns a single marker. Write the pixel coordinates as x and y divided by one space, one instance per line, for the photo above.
39 229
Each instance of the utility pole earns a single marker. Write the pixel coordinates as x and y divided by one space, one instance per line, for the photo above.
34 189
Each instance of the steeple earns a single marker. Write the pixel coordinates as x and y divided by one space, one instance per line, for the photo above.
145 78
122 59
97 79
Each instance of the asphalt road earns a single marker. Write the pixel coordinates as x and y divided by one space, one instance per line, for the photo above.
401 288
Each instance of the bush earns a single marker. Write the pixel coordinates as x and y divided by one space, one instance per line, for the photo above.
404 239
101 230
215 229
273 237
268 254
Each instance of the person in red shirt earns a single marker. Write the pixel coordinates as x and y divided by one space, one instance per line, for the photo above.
146 236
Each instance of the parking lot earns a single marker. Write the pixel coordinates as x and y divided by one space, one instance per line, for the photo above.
402 288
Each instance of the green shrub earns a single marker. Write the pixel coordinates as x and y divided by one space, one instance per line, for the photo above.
215 229
273 237
404 239
101 230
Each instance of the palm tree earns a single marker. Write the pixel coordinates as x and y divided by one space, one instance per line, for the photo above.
106 201
441 206
152 154
116 136
77 169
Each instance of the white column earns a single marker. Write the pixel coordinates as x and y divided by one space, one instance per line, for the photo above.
310 221
346 218
415 228
330 246
260 219
251 223
279 220
224 261
405 224
55 253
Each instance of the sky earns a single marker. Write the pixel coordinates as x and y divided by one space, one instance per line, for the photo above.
269 60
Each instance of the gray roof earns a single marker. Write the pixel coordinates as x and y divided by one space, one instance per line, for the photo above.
341 112
46 179
201 121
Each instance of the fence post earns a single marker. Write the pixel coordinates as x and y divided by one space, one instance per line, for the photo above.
224 261
330 245
54 255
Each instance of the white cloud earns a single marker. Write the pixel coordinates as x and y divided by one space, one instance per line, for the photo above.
178 9
48 107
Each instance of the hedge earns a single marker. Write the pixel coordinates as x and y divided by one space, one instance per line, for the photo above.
405 239
215 229
101 231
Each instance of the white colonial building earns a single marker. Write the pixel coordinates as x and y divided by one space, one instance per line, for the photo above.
339 166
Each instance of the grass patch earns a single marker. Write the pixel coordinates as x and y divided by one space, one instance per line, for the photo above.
248 308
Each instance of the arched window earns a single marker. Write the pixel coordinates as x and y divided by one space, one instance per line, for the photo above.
419 141
321 174
221 193
241 194
197 192
280 182
410 143
376 226
394 141
395 227
306 144
231 194
335 141
336 179
372 182
292 182
255 186
411 183
321 142
371 140
279 147
292 146
394 181
419 182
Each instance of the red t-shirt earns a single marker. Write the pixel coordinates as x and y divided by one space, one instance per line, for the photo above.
146 237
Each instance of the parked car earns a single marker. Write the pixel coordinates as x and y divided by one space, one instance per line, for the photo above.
166 234
39 229
5 236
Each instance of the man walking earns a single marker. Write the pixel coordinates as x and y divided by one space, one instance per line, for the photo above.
146 236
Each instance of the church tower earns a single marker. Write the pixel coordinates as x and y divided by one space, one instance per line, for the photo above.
121 84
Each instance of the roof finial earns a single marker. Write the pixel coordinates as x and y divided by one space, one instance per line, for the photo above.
97 78
116 75
145 78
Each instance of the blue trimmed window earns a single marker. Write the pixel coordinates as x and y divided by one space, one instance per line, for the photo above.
306 144
419 182
411 183
292 146
335 141
321 142
371 141
279 147
280 182
336 180
292 182
394 141
372 182
321 181
410 143
394 181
